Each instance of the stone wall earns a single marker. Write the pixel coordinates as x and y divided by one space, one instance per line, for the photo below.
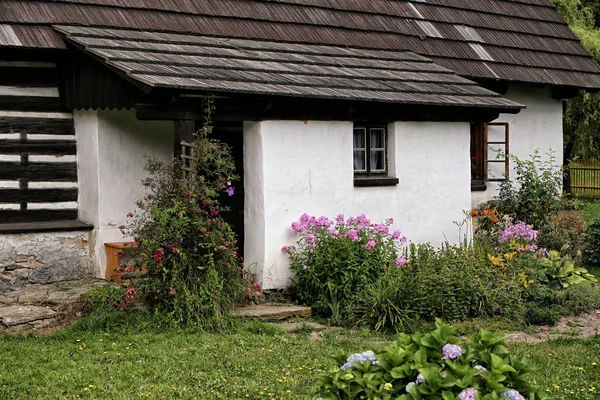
41 258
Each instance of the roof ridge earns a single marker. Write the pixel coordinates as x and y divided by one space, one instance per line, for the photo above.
425 58
288 3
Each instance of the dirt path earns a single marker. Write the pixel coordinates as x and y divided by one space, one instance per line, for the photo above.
582 326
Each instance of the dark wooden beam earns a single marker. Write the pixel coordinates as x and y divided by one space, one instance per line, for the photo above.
37 195
46 126
29 103
253 109
15 75
7 216
564 92
39 171
184 131
500 87
38 147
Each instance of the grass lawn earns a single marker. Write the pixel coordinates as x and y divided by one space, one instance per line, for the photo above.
256 361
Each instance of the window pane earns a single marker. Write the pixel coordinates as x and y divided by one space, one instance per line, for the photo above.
377 138
359 138
377 161
359 161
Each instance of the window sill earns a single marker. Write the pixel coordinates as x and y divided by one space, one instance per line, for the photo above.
374 181
45 226
478 186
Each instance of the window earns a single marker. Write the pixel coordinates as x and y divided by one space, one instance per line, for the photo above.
370 144
489 153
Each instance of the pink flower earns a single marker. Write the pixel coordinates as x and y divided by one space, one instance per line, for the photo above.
305 267
296 227
400 262
230 191
370 244
352 234
339 219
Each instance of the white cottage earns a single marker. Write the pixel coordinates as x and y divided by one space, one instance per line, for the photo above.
385 107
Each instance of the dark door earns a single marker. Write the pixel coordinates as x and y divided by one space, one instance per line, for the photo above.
231 133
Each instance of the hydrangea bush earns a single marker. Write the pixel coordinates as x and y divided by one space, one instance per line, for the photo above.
435 365
332 258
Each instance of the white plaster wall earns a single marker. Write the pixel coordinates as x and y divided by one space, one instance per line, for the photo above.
112 146
539 126
292 167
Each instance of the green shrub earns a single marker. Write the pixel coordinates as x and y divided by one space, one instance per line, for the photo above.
564 233
102 299
453 283
591 239
582 298
435 365
194 273
534 194
538 315
333 258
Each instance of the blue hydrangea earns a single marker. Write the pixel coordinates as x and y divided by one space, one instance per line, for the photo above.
451 351
468 394
360 358
512 394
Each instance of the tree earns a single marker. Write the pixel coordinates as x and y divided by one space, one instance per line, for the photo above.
582 114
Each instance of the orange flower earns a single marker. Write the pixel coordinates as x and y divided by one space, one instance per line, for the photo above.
488 212
474 213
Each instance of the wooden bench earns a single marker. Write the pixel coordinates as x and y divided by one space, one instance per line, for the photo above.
114 252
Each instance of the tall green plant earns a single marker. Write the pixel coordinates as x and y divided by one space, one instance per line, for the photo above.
188 250
534 194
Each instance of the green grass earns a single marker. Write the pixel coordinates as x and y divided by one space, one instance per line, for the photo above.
254 361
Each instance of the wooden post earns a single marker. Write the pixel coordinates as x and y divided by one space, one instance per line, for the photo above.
184 130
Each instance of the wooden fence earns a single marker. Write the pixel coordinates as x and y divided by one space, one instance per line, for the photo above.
585 178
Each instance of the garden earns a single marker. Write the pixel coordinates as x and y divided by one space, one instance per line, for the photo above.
405 320
167 333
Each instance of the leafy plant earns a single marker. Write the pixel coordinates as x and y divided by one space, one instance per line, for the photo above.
194 273
591 239
434 365
453 283
333 258
562 272
534 194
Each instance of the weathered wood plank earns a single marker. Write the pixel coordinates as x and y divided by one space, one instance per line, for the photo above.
37 195
46 126
39 147
39 172
9 216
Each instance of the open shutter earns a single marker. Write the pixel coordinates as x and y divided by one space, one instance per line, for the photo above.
496 150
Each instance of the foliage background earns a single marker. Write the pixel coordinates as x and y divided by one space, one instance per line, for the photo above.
582 114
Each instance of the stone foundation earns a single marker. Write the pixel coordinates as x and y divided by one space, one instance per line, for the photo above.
43 258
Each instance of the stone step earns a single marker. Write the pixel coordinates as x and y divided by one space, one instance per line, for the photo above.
54 293
44 306
271 312
11 316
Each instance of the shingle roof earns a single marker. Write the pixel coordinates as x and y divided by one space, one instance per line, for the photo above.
285 69
510 40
